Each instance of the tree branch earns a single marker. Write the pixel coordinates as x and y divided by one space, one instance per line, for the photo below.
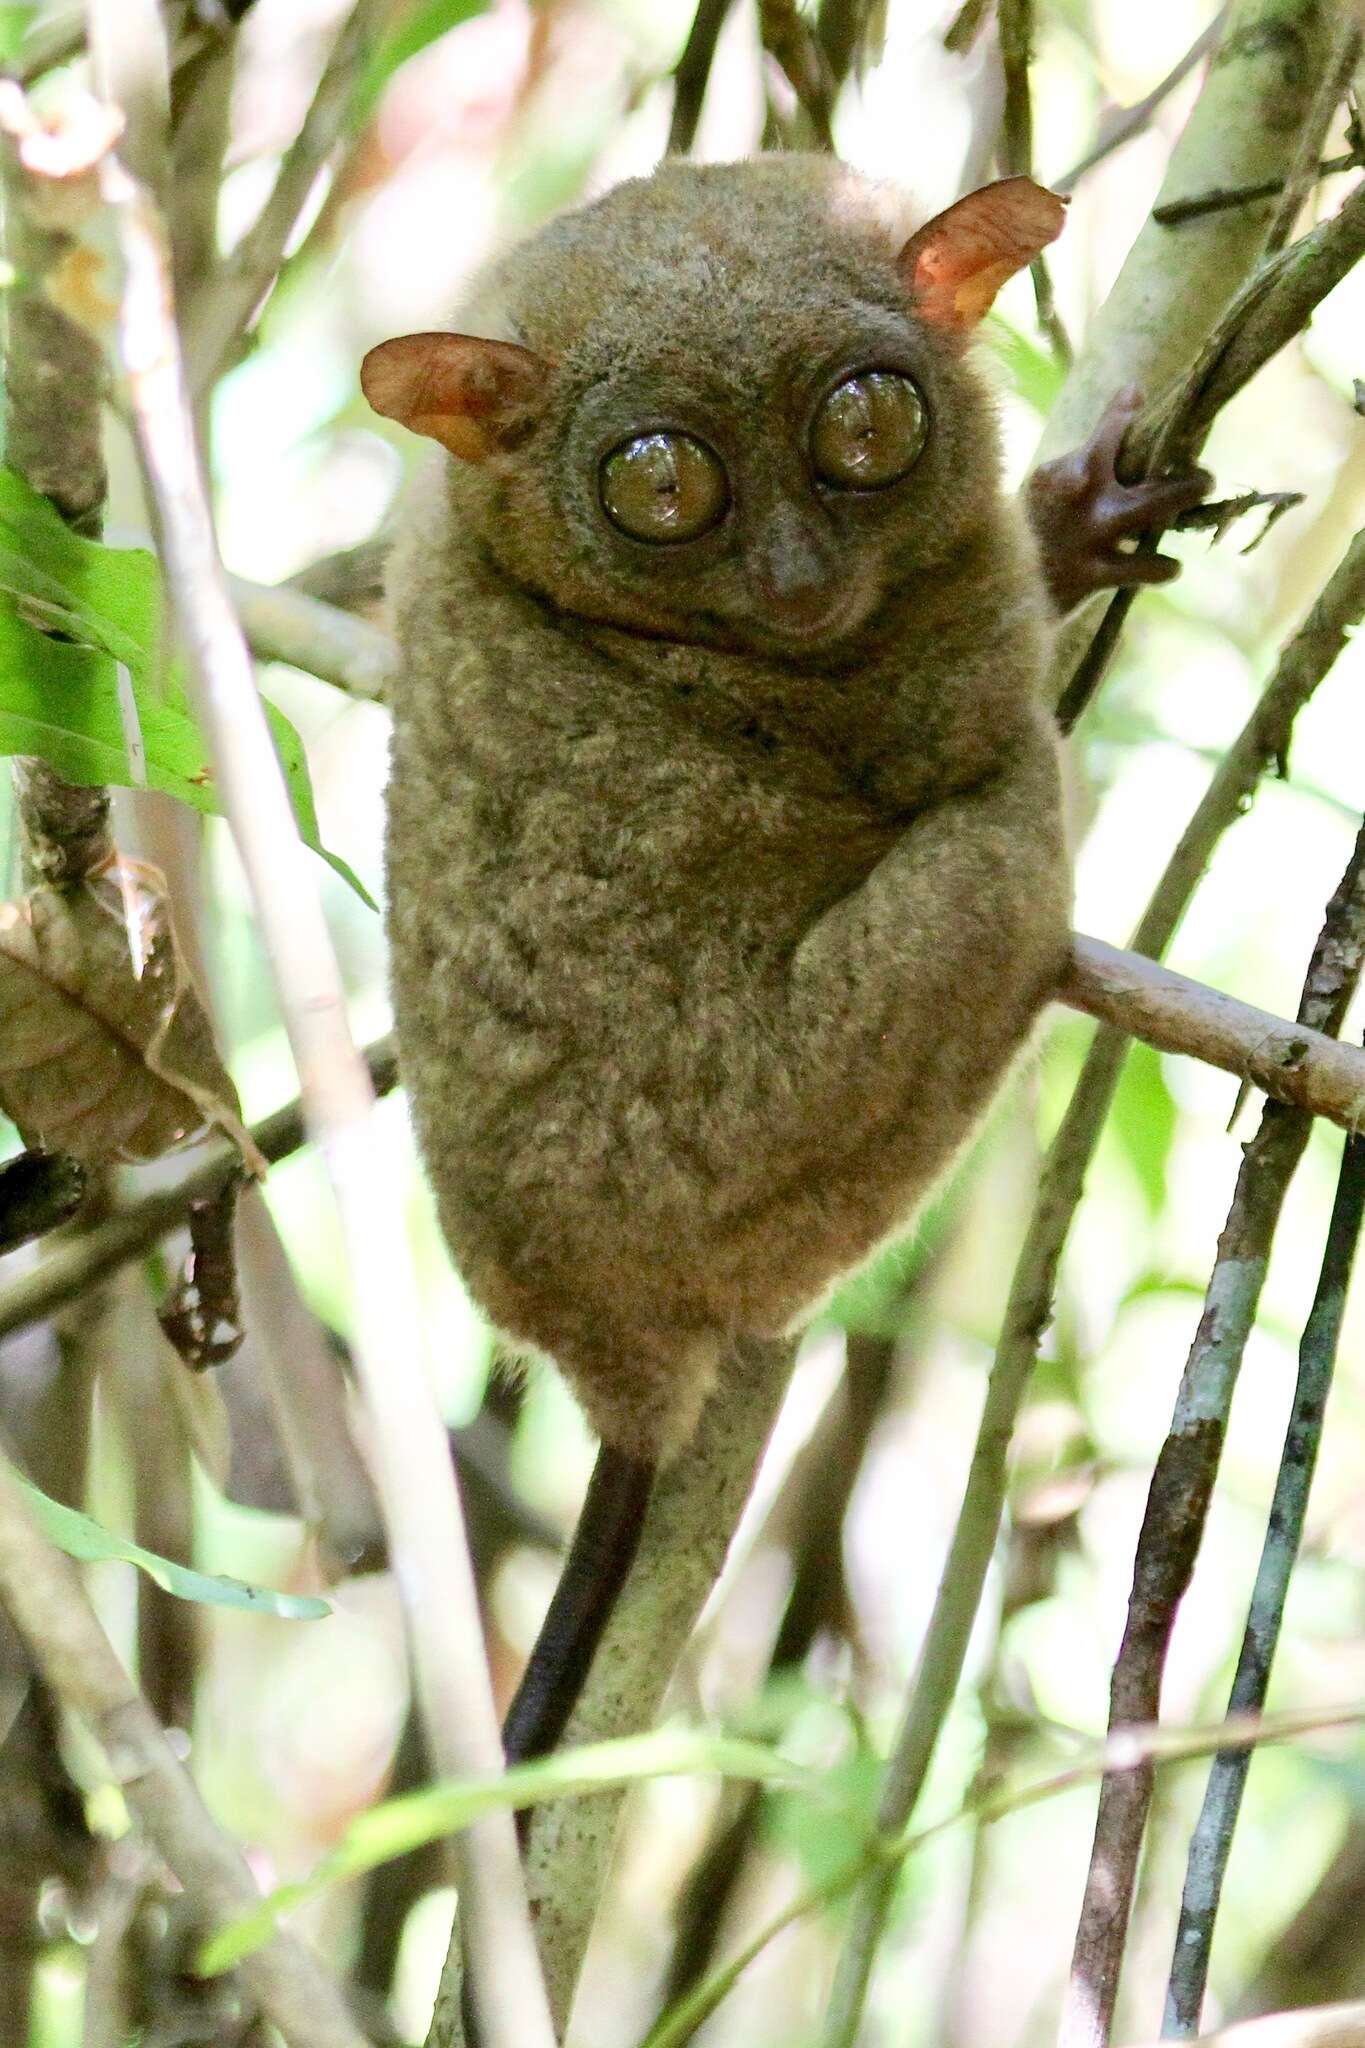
54 393
1290 1062
1244 129
692 73
284 624
1211 1841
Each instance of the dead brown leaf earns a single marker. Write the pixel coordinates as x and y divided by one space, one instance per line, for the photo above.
105 1050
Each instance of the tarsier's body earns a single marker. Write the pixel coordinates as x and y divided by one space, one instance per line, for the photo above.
726 872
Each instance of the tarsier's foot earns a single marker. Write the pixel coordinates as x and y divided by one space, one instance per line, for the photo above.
1081 513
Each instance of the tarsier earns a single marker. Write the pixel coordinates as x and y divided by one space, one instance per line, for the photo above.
725 852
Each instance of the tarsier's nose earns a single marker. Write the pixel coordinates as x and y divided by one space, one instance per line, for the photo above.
797 577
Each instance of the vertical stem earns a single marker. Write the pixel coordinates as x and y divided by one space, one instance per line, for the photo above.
427 1546
1016 151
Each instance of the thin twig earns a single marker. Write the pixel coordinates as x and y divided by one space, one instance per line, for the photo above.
45 1599
965 26
693 73
1123 123
1016 152
1134 1749
1264 739
1212 1838
1200 204
1183 1481
842 27
415 1482
223 307
1291 1063
1304 172
790 40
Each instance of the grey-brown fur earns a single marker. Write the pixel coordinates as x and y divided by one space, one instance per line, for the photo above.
710 943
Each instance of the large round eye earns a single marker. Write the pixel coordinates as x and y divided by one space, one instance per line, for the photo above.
869 431
663 487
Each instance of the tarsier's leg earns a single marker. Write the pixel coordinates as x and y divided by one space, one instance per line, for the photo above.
1081 513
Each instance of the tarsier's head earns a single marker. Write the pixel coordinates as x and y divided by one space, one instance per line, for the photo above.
732 403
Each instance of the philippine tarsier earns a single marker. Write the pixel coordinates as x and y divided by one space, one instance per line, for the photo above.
725 855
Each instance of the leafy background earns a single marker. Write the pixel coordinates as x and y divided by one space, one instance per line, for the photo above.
473 124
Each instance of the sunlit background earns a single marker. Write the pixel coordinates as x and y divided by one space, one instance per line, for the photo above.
518 111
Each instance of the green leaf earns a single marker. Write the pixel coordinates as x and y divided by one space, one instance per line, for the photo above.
82 1538
67 700
1035 374
15 19
1143 1120
410 1821
426 24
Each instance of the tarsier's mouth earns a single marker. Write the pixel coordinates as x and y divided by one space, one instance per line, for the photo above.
806 632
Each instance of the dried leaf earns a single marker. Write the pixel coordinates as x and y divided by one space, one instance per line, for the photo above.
105 1051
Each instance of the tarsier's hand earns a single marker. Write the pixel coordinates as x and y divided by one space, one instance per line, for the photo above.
1081 512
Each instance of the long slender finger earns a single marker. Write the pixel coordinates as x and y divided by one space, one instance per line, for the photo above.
1126 510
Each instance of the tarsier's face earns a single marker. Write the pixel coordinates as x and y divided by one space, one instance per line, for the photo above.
765 504
736 410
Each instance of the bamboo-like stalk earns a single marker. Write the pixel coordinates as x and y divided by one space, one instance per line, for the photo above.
427 1546
1174 284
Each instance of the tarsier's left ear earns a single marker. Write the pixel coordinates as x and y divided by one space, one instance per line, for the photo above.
956 263
474 397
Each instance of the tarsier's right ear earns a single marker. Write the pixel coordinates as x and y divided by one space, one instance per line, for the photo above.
474 397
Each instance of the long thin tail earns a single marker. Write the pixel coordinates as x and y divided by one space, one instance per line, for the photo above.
600 1555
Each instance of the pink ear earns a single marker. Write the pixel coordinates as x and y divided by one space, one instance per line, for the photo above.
956 263
472 396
